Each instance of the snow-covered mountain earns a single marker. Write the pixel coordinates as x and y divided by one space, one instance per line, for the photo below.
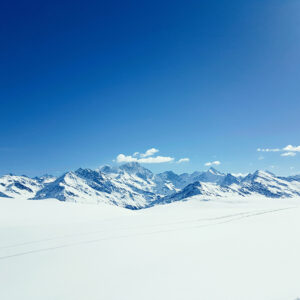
133 186
45 179
212 175
19 186
258 184
90 186
292 178
130 186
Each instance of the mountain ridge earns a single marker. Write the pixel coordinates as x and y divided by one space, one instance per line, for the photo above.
132 186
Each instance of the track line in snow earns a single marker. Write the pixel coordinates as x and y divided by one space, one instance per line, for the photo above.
233 218
123 228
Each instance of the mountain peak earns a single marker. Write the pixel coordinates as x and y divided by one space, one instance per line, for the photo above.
132 167
136 169
107 169
212 170
229 179
258 174
261 173
132 164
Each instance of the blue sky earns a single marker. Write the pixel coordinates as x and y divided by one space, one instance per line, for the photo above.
85 81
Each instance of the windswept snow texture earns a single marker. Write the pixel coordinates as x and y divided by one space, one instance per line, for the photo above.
223 249
133 186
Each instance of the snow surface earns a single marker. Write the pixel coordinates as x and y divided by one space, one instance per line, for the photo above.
209 250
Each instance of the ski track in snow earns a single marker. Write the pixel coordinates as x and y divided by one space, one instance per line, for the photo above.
212 221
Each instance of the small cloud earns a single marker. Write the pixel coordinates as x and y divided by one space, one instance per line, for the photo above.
149 152
155 160
291 148
181 160
288 154
261 157
267 150
121 158
212 163
136 153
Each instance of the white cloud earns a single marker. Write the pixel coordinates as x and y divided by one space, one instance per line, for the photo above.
149 152
268 150
155 159
181 160
213 163
124 158
260 157
291 148
288 154
145 158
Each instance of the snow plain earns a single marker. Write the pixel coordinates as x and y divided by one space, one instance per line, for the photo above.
207 250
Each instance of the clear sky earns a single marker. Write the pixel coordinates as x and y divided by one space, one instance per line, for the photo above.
84 81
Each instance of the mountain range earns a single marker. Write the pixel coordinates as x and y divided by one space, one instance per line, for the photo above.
133 186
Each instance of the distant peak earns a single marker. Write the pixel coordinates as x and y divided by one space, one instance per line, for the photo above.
229 179
136 168
258 174
214 171
47 176
263 173
106 169
132 164
105 166
167 173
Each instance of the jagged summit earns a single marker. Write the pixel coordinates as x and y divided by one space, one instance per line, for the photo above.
108 169
135 168
214 171
211 175
229 180
259 174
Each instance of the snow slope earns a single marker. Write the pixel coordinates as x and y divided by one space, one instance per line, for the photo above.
214 250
